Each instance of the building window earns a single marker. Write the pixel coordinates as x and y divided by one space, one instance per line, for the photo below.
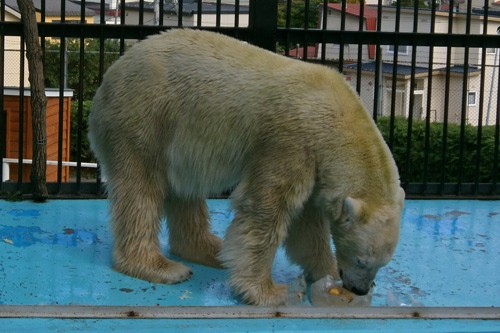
471 98
402 49
490 50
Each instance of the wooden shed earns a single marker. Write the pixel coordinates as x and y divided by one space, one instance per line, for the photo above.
12 102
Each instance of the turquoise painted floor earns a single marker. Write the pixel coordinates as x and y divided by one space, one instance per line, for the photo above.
56 257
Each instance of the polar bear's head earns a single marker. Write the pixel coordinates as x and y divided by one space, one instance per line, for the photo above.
365 239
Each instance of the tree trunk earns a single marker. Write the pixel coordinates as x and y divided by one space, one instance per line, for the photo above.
38 99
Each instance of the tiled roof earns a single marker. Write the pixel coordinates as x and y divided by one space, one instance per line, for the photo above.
459 69
53 7
388 68
312 52
355 9
189 7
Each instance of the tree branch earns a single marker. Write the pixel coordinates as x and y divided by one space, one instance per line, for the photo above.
38 99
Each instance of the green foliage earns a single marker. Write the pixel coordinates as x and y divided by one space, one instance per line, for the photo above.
86 153
91 76
12 196
452 165
411 3
297 13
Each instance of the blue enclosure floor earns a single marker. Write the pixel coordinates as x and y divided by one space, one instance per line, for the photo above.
57 256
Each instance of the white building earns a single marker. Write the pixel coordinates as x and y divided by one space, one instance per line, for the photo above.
190 12
440 54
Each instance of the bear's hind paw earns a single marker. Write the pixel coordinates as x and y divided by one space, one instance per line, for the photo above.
161 270
204 251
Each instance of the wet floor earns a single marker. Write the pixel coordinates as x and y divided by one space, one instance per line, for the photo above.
59 253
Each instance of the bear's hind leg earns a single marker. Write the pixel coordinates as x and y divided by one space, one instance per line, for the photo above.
189 231
136 212
309 245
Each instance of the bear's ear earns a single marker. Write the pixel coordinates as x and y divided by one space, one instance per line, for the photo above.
353 208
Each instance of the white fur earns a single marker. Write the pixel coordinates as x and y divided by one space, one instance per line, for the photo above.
186 114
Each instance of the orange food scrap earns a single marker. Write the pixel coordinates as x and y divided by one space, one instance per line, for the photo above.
335 291
341 292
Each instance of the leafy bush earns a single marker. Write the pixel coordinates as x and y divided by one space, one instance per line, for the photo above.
419 170
86 153
455 165
91 59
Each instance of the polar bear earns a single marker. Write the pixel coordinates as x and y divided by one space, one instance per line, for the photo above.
186 114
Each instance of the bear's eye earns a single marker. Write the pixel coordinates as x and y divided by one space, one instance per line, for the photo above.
360 263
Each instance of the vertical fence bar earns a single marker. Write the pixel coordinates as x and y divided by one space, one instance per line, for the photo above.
102 14
411 106
217 13
263 21
122 23
161 12
81 87
141 12
446 104
101 74
342 28
496 157
180 11
397 23
481 103
199 10
378 66
20 156
359 60
62 87
237 15
305 40
288 20
324 26
465 95
428 104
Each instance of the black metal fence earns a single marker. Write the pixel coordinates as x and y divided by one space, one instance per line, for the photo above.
428 72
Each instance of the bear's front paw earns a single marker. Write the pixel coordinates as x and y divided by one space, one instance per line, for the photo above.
158 270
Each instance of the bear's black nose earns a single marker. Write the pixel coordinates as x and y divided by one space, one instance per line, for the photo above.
359 292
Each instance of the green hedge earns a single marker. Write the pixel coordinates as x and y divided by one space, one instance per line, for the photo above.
435 165
451 166
86 152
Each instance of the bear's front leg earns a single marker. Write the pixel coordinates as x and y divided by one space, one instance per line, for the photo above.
279 179
248 252
309 244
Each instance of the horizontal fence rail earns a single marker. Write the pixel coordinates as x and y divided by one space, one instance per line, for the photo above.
428 73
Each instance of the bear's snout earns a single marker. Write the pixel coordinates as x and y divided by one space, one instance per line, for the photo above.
359 292
355 288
